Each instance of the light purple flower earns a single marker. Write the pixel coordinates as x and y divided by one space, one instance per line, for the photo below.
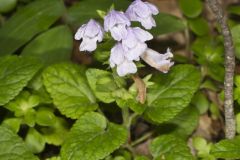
161 62
134 43
142 12
117 55
90 33
126 67
116 22
117 58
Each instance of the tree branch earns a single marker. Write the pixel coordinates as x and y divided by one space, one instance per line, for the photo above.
229 68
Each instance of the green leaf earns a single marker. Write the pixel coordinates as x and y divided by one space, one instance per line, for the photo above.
7 5
234 10
201 102
227 148
172 93
54 134
15 72
45 116
69 89
199 26
236 39
12 147
169 147
22 103
35 141
12 123
202 147
106 86
141 158
191 9
183 124
167 23
55 45
92 138
27 22
84 10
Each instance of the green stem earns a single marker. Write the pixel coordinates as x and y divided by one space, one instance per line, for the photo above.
142 139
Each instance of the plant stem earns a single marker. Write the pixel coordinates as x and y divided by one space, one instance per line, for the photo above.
230 128
142 139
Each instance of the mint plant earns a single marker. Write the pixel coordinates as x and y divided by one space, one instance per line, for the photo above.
116 80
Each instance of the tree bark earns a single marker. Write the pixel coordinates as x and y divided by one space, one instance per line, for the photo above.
230 123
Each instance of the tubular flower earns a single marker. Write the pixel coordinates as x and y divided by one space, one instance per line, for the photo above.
134 43
117 58
161 62
116 22
90 33
142 12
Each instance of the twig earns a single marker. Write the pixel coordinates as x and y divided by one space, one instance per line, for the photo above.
230 128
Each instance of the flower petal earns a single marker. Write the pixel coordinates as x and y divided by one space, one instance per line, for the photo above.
117 55
119 32
136 52
131 40
92 29
88 45
161 62
142 35
148 22
126 67
80 32
153 8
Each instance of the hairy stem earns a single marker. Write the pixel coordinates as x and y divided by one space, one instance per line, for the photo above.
229 68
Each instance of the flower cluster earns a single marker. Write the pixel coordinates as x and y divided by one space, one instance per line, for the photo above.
131 41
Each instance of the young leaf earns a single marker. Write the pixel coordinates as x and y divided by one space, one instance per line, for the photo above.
28 22
106 87
227 148
15 72
173 93
69 89
12 147
92 138
35 141
170 147
60 49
